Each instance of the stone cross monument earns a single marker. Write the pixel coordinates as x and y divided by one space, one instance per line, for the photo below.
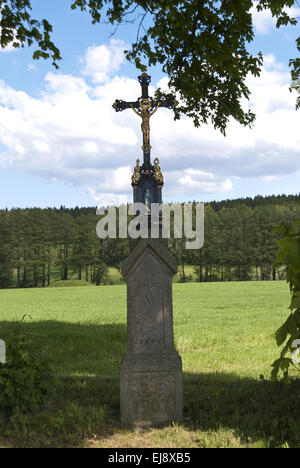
151 370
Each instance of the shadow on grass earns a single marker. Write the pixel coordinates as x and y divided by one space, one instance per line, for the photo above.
257 410
75 348
86 403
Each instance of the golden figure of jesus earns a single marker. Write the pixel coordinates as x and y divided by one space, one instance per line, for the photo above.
145 114
145 107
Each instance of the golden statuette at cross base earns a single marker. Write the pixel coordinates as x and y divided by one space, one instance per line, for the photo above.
157 173
136 174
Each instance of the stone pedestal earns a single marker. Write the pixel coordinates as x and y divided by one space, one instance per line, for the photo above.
151 370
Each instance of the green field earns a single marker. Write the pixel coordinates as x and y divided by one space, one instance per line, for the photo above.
225 335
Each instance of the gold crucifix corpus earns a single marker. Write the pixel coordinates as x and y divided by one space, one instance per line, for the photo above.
145 115
145 107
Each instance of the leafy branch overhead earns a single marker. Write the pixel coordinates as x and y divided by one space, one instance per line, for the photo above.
200 44
19 29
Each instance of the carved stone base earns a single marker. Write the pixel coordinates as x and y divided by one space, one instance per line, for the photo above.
151 390
151 371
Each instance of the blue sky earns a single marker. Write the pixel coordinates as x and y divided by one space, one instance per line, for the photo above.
62 144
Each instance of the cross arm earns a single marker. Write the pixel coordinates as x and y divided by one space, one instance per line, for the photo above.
120 105
170 103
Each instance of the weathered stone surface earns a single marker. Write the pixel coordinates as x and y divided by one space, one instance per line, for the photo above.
151 371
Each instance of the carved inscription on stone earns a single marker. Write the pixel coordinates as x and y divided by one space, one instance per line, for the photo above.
149 320
153 395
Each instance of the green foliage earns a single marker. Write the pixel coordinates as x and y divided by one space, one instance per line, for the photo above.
27 377
19 29
39 246
46 247
289 250
6 260
200 45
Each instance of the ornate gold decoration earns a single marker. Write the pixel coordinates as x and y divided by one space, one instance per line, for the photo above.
157 172
136 174
145 115
146 148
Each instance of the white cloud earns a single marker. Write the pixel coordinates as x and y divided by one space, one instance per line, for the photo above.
264 22
117 179
269 178
71 133
198 182
108 199
9 48
101 61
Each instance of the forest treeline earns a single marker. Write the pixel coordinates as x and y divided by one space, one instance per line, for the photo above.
41 246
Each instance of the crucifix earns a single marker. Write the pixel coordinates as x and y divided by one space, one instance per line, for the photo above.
145 107
147 180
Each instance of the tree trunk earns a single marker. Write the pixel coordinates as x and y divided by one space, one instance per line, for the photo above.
200 273
44 275
65 264
24 277
206 273
35 276
183 272
18 276
229 273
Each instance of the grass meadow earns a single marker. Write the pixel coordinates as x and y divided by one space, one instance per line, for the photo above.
225 335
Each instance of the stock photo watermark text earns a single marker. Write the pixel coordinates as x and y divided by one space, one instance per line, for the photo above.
135 221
